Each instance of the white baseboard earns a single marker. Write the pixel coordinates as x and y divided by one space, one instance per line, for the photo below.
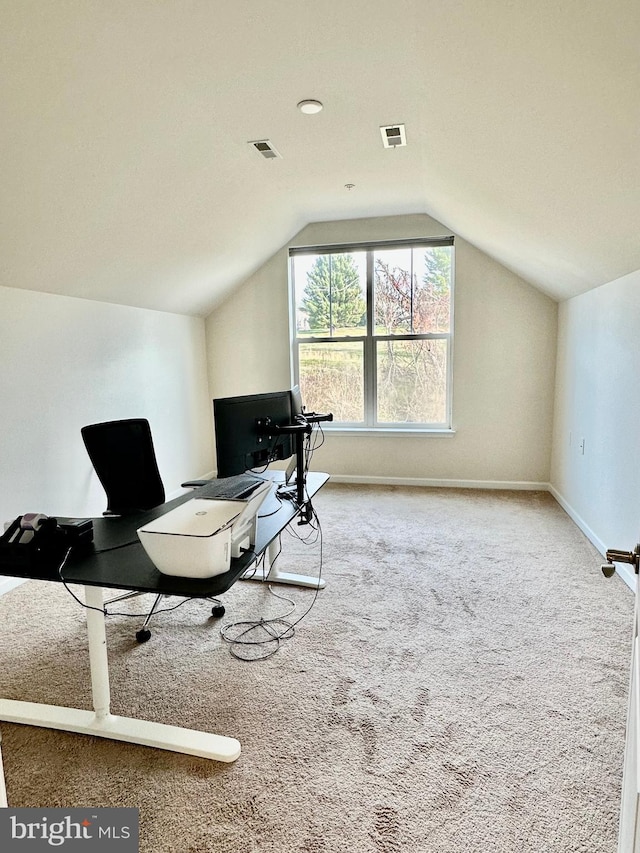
625 571
519 485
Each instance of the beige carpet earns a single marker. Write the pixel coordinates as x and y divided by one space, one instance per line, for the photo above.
460 685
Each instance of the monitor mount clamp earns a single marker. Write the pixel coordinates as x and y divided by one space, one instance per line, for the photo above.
303 426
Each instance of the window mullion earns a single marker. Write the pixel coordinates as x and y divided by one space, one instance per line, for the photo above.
412 327
370 390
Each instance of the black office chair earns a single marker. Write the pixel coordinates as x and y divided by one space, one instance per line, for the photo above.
124 459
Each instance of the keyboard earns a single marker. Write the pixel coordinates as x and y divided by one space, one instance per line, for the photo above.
235 488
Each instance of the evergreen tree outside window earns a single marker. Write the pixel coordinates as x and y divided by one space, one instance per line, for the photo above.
372 332
333 297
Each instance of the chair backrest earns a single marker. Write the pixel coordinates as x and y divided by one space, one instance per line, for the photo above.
123 457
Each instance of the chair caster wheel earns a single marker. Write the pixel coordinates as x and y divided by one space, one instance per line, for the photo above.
143 635
217 610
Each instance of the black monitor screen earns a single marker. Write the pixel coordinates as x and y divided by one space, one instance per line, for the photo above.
243 440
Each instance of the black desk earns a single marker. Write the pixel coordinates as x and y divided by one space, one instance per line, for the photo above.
130 568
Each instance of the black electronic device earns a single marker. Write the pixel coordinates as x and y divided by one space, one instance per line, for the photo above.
247 431
38 541
257 429
76 531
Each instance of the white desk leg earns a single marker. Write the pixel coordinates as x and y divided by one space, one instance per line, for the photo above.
270 574
3 789
100 722
98 658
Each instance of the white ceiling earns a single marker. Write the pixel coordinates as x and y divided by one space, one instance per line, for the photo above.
126 175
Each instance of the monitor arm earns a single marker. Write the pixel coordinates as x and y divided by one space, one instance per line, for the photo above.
302 426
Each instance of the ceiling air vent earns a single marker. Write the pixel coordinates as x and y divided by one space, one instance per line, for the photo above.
393 136
264 147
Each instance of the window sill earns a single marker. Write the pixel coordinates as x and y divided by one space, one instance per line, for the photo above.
397 431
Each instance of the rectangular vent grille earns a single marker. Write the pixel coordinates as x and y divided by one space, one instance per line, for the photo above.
265 148
393 136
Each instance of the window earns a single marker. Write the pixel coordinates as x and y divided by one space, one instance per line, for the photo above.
372 332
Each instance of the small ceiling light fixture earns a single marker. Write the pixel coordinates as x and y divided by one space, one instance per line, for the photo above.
349 187
310 107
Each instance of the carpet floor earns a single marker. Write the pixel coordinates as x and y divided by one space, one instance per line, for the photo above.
460 685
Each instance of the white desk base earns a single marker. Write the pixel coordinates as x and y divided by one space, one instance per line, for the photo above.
269 574
100 722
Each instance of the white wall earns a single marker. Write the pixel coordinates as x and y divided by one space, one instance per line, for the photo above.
67 362
598 399
504 363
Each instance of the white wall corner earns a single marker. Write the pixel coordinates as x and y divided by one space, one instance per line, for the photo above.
624 571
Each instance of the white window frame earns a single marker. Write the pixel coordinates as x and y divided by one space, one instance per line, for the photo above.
370 341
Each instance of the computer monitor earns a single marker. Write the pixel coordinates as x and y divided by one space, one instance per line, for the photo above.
243 439
296 402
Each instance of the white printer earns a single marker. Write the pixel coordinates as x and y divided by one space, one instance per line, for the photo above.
198 538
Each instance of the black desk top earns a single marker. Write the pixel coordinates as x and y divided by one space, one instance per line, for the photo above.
129 567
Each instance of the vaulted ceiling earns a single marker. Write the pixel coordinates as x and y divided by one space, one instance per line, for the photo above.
126 175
